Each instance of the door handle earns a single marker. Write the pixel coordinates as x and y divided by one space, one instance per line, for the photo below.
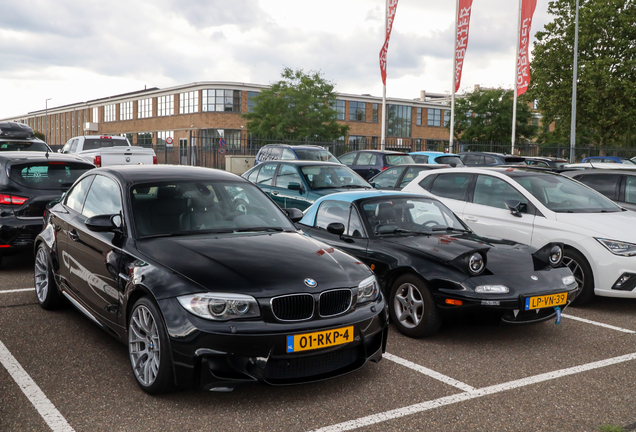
470 218
73 235
274 192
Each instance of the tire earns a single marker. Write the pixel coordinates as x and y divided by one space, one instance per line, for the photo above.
412 308
45 287
576 262
149 349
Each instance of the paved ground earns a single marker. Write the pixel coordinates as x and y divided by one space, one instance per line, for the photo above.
60 372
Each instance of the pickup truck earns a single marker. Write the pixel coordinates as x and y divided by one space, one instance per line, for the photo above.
106 150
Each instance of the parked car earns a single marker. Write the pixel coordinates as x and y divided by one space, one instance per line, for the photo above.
20 137
489 159
426 259
395 178
599 166
107 150
299 183
202 295
540 207
617 185
608 159
545 162
28 182
433 157
368 163
294 152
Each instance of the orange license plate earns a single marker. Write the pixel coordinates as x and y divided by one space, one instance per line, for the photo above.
546 301
322 339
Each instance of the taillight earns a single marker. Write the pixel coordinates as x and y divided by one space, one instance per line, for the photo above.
154 160
383 168
12 199
97 161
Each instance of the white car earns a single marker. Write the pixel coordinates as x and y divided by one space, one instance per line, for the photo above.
538 207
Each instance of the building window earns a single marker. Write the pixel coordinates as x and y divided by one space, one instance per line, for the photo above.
144 139
161 138
189 102
125 111
144 108
95 115
210 139
339 106
357 111
446 118
418 120
375 113
128 136
357 142
434 117
250 101
109 113
165 105
222 100
398 120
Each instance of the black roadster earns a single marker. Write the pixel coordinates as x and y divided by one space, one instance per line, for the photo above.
204 295
427 259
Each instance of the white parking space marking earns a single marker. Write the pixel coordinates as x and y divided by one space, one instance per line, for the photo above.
429 372
47 410
599 324
16 290
448 400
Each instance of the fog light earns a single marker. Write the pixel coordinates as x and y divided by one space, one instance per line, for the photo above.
626 282
568 280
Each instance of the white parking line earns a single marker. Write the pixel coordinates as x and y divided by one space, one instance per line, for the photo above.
598 324
16 290
426 371
448 400
36 396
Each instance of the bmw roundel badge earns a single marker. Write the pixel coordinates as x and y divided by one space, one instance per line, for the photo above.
311 283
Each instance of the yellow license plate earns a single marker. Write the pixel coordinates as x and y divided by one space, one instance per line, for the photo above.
546 301
323 339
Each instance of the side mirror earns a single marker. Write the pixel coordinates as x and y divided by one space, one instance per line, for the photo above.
515 207
336 228
452 164
294 186
373 184
59 150
294 214
104 223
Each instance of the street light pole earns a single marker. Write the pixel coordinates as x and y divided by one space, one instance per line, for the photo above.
46 117
574 78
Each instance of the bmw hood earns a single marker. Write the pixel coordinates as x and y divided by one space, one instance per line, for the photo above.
260 264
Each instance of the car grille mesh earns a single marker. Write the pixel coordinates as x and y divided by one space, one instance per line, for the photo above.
335 302
311 365
293 307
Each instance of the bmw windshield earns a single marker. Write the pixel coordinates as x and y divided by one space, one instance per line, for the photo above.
564 195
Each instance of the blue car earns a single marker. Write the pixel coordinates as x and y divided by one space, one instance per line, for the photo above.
434 157
608 159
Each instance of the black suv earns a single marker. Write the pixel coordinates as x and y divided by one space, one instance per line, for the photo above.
20 137
368 163
28 182
477 159
294 152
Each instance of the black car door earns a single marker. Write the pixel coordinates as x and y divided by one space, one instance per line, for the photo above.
97 255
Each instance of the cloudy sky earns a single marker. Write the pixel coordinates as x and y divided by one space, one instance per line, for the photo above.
78 50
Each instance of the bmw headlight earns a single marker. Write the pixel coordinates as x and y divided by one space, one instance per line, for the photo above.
368 290
492 289
220 306
618 247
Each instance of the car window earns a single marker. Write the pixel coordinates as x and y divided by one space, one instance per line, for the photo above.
265 175
332 176
331 212
103 198
316 154
253 175
472 160
75 197
603 183
449 160
286 175
355 228
489 160
452 186
48 175
420 158
95 143
399 159
410 175
288 155
23 146
365 159
74 145
389 177
630 189
347 159
67 146
275 153
494 192
375 160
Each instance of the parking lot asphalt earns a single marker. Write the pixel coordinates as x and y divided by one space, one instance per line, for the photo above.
60 372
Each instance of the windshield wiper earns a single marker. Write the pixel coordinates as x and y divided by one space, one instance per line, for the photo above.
259 229
187 233
354 186
451 229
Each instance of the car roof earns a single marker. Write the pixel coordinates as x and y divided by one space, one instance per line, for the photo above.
510 170
600 172
433 153
103 136
301 146
378 151
133 174
40 156
300 162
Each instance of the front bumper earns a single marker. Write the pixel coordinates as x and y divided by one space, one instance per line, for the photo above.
220 355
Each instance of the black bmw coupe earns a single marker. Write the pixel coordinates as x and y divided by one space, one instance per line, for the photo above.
427 259
204 295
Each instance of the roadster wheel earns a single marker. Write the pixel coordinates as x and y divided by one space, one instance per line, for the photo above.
412 308
148 348
45 288
582 272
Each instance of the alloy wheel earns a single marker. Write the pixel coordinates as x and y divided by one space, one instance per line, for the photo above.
42 282
408 305
576 269
143 345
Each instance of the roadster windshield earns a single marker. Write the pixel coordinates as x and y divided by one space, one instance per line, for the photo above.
410 215
197 207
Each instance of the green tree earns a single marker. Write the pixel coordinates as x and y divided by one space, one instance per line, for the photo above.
486 115
606 100
300 106
39 135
